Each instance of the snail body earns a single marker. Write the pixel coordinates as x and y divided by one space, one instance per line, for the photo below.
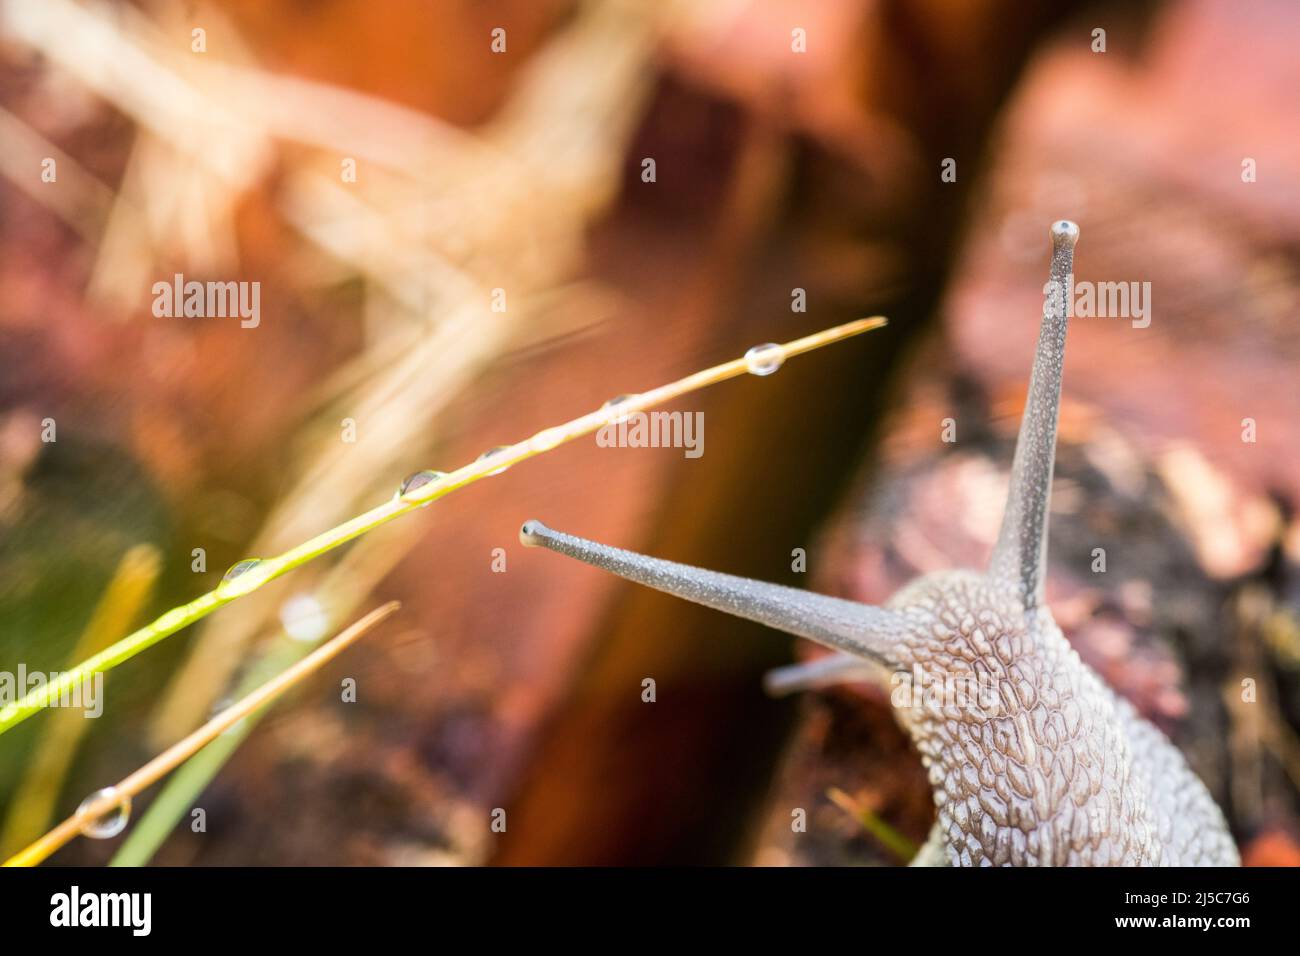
1054 768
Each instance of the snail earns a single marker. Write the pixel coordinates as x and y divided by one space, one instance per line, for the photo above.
1056 769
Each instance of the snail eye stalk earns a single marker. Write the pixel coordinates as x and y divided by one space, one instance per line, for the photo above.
1021 551
858 629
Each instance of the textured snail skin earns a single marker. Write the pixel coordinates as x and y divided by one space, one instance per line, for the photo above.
1046 766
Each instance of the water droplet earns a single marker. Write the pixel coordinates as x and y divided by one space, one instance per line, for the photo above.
110 822
222 704
548 439
304 618
616 401
172 620
418 480
241 579
764 359
240 568
491 452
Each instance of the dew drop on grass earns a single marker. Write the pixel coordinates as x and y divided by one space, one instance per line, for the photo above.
172 620
239 569
764 359
109 823
417 480
223 704
234 582
548 439
491 452
616 401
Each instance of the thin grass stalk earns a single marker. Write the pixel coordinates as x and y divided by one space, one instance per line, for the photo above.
891 839
178 753
182 789
339 592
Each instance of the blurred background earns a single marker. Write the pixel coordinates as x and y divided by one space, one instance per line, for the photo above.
382 168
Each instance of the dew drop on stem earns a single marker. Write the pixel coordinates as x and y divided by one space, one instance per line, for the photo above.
239 579
417 480
239 569
491 453
764 359
616 401
109 823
